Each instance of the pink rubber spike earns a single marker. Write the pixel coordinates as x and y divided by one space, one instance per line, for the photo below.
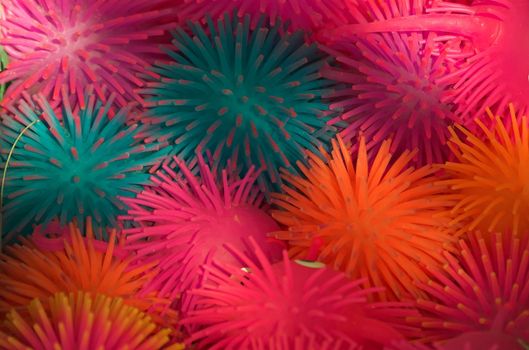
289 305
485 289
465 341
497 69
75 43
183 220
397 84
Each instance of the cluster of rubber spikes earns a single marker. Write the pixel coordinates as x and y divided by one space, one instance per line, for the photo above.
264 174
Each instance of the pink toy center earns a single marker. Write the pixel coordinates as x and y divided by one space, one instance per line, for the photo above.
71 40
286 310
234 225
290 310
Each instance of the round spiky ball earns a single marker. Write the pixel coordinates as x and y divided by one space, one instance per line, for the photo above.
185 219
485 288
308 15
396 84
489 179
496 67
371 220
70 169
249 94
288 305
81 321
54 44
43 265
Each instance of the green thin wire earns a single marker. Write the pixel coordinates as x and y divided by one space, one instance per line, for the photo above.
4 178
523 344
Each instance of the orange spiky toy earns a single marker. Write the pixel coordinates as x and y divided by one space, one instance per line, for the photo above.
82 321
42 266
382 222
490 179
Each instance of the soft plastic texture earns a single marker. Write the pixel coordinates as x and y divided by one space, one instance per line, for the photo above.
396 83
499 70
488 340
289 305
466 341
395 17
308 15
405 345
253 96
395 86
380 221
483 288
45 264
186 217
488 179
496 70
54 44
70 169
81 321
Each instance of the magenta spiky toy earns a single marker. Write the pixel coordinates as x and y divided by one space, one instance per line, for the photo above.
395 87
288 305
73 43
496 69
395 84
485 290
185 219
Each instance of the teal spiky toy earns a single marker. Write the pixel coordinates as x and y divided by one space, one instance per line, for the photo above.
249 94
70 169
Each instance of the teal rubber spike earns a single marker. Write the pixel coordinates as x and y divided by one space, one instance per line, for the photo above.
71 169
255 96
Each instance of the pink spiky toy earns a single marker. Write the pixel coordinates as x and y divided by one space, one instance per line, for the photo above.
76 43
288 305
185 219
